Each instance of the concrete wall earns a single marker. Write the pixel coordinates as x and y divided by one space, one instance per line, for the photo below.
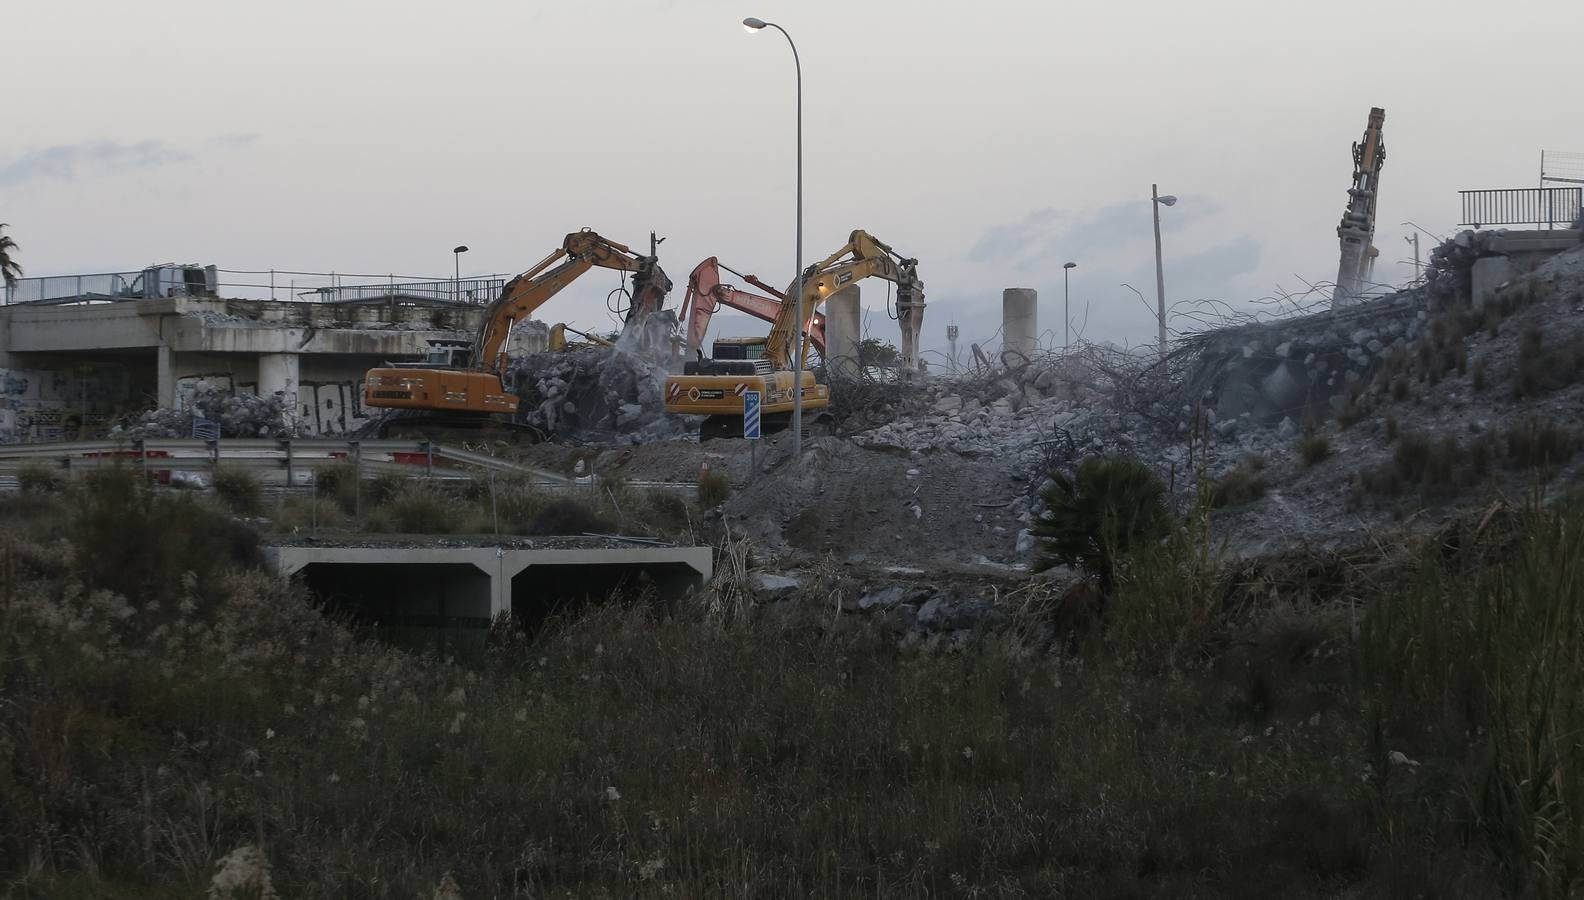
162 352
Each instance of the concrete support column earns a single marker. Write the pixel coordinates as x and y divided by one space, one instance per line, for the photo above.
278 374
843 332
1019 323
165 378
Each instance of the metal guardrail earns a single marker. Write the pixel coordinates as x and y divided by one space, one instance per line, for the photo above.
1521 206
288 454
270 284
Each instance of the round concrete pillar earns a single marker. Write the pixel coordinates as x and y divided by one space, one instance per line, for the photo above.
278 375
843 332
1019 321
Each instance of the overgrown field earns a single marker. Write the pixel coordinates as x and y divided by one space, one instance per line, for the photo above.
1399 724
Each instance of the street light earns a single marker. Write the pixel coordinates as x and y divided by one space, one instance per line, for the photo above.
1156 202
456 279
752 25
1066 316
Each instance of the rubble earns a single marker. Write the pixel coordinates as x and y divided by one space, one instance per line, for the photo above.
238 415
609 394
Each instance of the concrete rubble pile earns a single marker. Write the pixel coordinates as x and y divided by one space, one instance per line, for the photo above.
599 393
238 415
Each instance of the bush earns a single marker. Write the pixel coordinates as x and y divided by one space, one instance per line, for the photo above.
1243 484
423 510
667 511
1096 517
1539 443
40 478
1313 449
713 489
238 490
140 543
565 516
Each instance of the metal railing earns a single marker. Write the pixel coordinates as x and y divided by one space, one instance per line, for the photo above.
465 291
262 284
1522 206
102 286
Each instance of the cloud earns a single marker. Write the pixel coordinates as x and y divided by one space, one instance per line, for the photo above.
68 162
1047 233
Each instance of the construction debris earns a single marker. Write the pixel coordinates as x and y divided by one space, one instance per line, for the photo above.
237 415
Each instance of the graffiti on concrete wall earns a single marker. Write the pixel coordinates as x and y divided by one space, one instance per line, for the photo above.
62 404
332 407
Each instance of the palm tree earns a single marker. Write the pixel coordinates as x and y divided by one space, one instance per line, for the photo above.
9 268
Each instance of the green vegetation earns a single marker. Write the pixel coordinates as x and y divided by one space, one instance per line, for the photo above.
1313 449
1097 516
1402 724
239 490
1243 484
714 488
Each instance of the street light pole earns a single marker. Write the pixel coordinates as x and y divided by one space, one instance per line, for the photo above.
1066 307
456 278
800 345
1156 202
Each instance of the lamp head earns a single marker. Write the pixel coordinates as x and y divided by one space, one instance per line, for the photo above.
461 249
1071 265
1168 200
752 24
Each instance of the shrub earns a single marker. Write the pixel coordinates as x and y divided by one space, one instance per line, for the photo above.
238 490
1243 484
667 511
139 543
714 488
1313 449
1539 443
1096 517
40 478
564 515
423 510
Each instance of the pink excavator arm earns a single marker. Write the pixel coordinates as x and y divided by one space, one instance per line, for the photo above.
706 293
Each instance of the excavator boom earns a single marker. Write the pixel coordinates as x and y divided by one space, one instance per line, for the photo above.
473 386
707 293
715 388
1357 231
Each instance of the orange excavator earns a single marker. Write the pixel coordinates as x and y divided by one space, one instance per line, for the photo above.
706 293
714 388
460 384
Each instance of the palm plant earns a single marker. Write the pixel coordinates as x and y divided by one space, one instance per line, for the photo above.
9 268
1095 517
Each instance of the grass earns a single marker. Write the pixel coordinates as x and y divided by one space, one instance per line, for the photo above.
238 490
714 488
1230 730
1313 449
1243 484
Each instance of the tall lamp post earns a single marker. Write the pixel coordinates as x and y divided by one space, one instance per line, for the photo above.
1156 202
753 25
456 278
1066 306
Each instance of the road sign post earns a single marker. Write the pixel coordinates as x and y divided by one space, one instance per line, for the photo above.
752 425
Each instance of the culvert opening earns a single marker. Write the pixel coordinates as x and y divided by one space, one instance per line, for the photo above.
445 606
542 591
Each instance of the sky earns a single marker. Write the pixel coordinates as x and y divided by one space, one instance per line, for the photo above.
992 141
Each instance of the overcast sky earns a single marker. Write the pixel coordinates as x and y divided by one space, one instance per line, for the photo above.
992 140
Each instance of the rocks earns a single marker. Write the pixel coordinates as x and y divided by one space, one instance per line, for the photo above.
777 587
237 415
599 393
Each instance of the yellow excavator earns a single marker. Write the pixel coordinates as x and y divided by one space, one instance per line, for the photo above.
715 387
460 385
558 342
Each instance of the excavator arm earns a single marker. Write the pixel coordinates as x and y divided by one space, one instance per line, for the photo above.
861 257
581 251
706 293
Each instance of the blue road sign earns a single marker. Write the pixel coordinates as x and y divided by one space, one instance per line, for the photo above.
751 423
